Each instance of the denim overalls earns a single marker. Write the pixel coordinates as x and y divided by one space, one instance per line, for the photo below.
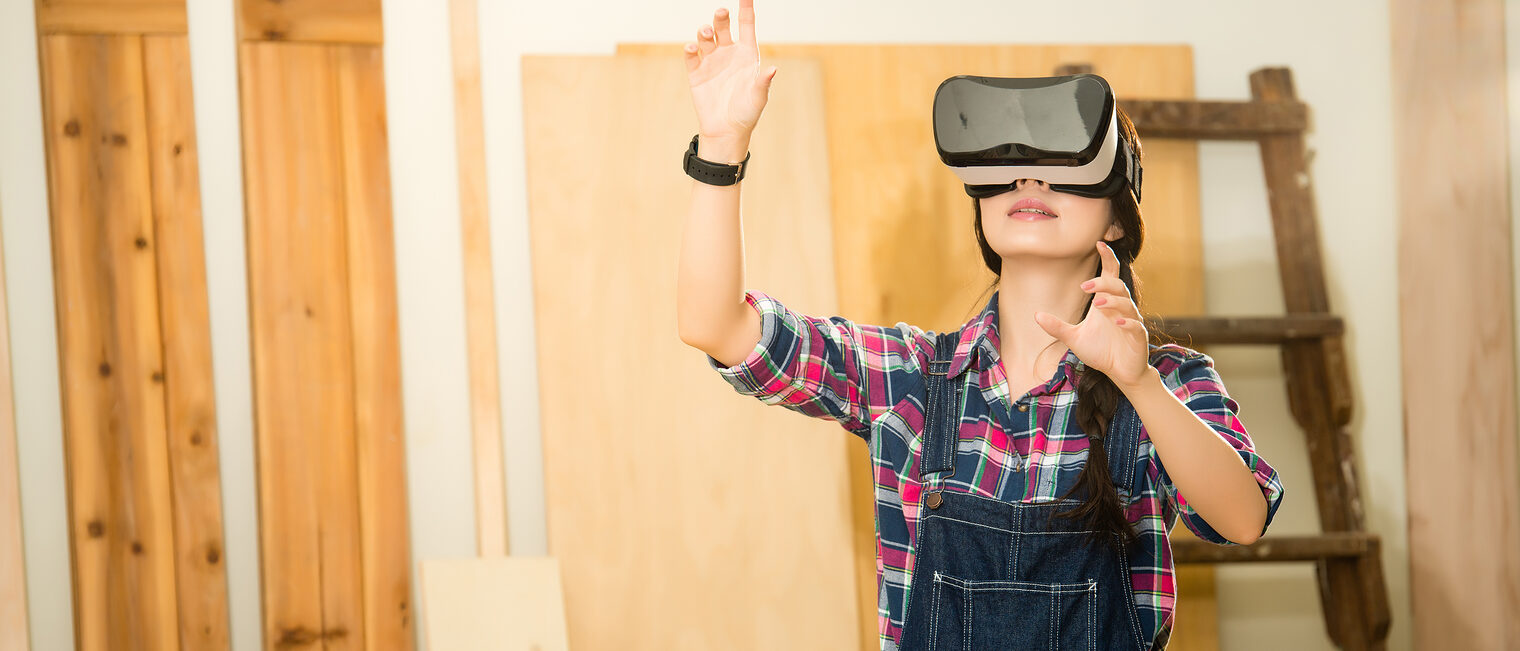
990 574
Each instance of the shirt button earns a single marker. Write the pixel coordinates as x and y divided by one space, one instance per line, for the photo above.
1023 407
933 500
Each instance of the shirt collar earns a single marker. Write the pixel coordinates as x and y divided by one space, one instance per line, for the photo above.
980 343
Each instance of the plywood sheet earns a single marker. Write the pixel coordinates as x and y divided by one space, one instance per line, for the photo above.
494 604
683 517
121 523
190 401
903 224
1457 314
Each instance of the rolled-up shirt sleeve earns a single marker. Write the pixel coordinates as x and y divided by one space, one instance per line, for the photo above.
828 368
1195 382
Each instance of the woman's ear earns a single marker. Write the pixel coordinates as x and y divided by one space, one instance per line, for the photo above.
1114 233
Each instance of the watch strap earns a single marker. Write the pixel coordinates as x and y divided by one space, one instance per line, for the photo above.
712 173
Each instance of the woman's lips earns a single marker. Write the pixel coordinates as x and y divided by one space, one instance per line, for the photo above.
1024 210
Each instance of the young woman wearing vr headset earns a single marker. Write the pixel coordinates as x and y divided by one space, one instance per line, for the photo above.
1030 465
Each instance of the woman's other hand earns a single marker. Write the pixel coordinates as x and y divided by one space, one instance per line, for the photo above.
728 87
1111 338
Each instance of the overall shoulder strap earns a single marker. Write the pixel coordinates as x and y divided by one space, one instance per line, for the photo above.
1122 442
941 408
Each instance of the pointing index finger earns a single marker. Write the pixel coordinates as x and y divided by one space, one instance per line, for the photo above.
747 21
1110 261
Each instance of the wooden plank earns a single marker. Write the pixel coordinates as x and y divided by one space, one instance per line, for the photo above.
902 266
13 601
111 16
377 348
122 534
1456 291
491 534
1279 549
195 477
494 604
311 21
634 417
1216 120
1200 330
301 335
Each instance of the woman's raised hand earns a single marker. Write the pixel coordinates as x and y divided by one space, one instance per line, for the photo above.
1111 338
728 86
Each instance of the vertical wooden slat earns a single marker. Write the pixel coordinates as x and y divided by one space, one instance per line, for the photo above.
491 534
13 604
122 536
381 452
190 407
1456 314
302 346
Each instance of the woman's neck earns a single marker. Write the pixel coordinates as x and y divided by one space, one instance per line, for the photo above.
1028 286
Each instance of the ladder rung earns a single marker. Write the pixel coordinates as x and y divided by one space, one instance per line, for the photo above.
1247 330
1278 549
1216 120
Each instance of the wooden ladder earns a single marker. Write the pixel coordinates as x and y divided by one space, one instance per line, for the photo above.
1346 556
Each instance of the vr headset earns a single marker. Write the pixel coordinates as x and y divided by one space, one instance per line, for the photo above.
993 131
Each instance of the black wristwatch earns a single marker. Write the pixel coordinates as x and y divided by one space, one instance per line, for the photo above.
713 173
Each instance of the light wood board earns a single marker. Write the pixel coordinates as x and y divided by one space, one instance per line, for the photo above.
120 506
494 604
13 602
683 515
903 223
111 16
326 359
195 478
1456 311
311 21
491 534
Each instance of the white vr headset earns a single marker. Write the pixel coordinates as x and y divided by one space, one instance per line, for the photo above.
1064 131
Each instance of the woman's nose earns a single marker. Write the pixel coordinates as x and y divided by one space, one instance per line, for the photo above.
1021 183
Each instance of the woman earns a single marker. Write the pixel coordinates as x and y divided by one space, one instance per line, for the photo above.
1029 465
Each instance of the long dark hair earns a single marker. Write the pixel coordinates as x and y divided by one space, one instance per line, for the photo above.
1097 396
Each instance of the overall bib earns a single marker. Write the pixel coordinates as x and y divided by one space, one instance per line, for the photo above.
990 574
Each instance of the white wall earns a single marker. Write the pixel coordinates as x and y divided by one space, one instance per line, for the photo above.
1338 51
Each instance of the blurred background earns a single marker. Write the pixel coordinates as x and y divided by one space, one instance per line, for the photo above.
303 296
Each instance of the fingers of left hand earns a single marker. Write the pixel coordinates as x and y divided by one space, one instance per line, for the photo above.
1106 284
1113 305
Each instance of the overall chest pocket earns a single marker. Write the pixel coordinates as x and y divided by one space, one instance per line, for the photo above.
966 615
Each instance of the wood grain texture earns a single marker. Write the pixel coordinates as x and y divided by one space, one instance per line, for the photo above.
1455 289
111 16
13 602
381 449
491 534
121 523
190 401
903 221
303 354
311 21
727 520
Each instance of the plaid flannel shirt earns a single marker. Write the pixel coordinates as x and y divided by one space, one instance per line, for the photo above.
1024 446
